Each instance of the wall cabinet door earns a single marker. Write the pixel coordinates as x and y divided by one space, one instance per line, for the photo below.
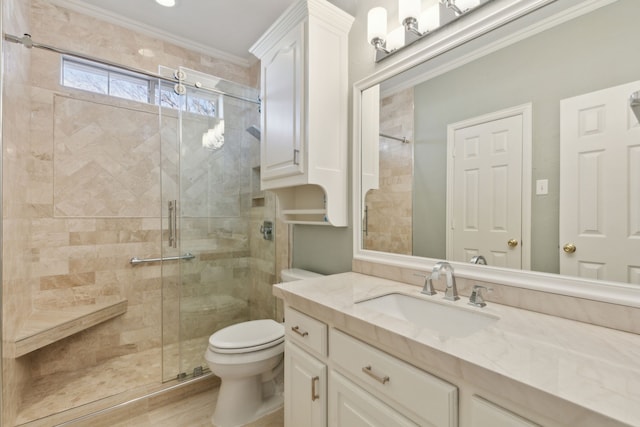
305 98
305 389
487 414
282 148
351 406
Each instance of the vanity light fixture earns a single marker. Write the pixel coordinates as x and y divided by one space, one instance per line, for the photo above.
377 30
414 22
460 7
409 12
166 3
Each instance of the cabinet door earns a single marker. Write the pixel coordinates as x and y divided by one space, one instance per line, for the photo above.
487 414
305 389
351 406
282 148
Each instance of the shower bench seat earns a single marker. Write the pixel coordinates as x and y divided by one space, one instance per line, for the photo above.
44 327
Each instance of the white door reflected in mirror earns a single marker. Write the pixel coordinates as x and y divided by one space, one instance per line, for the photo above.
600 186
486 187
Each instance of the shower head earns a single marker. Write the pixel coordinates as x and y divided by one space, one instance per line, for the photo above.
634 103
253 130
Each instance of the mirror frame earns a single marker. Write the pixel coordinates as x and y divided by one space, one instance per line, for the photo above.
492 20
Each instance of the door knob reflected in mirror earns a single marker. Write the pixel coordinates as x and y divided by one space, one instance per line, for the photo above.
569 248
512 243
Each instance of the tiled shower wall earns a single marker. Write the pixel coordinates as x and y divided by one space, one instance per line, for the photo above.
16 298
389 208
81 197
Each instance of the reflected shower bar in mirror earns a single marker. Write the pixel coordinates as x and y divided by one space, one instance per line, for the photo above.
403 139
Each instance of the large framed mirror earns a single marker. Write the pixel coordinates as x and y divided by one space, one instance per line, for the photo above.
516 144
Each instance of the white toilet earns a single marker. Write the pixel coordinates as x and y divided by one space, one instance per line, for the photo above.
248 357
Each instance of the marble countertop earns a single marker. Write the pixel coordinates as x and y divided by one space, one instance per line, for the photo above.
590 366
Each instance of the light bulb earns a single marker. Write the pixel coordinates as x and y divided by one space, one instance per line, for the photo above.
377 24
408 9
465 5
430 18
395 38
166 3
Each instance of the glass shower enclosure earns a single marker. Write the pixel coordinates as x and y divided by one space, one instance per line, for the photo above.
210 200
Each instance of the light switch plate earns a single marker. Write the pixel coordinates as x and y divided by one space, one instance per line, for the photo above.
542 187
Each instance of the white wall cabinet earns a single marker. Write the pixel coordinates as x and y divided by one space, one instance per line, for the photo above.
282 131
304 86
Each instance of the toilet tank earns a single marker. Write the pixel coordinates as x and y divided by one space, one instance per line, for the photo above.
293 274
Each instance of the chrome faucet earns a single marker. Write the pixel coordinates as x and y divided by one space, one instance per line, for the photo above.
476 299
451 292
478 259
428 286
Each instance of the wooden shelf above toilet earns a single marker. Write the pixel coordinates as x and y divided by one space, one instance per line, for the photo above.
44 327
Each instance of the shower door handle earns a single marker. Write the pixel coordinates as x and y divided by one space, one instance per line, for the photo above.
172 217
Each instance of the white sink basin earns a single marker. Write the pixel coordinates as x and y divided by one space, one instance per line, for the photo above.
446 319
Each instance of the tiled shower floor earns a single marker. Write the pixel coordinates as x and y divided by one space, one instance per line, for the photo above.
59 392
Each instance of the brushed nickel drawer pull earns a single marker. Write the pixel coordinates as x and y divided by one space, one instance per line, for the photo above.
382 380
314 393
297 330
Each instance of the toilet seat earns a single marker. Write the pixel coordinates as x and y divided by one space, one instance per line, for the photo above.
246 337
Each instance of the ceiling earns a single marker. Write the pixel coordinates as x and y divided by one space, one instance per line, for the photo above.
222 28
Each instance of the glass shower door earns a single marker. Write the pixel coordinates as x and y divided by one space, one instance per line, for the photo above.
208 211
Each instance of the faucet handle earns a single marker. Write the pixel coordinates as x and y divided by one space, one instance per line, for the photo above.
428 284
476 299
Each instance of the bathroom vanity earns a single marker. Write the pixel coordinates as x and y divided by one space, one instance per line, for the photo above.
347 362
549 349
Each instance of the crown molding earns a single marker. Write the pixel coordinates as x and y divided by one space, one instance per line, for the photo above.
113 18
297 13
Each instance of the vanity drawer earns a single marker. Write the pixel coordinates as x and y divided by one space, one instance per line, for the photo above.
430 398
305 331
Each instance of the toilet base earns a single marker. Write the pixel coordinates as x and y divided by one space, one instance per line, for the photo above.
270 405
233 412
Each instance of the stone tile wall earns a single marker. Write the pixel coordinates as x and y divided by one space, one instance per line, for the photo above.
81 196
16 226
390 211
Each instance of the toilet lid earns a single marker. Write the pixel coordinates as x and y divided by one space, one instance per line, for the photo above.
248 336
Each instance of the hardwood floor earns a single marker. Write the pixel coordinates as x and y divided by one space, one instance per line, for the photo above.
193 411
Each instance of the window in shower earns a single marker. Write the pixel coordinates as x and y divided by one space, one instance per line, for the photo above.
117 82
105 80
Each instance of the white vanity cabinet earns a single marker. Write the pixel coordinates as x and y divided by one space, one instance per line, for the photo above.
488 414
336 380
351 406
398 391
305 389
304 85
305 371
